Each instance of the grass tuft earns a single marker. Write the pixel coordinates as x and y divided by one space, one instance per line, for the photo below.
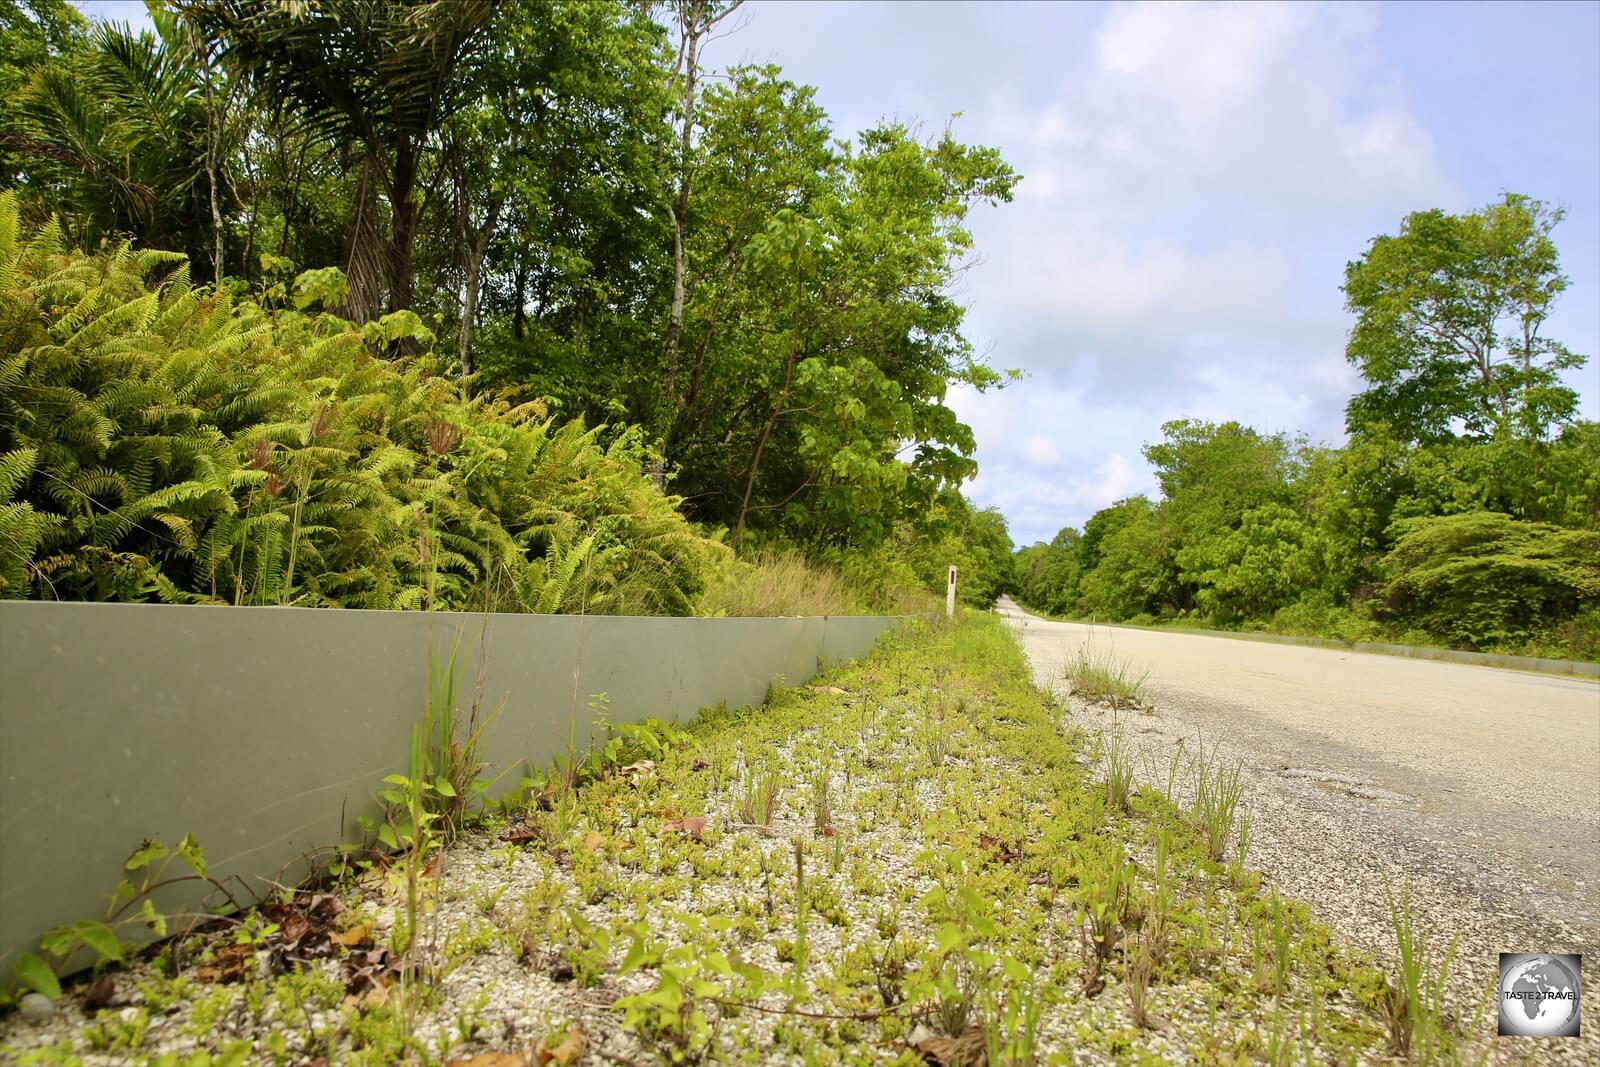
1102 678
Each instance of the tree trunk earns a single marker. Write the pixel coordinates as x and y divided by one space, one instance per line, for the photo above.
519 314
761 442
469 309
364 264
692 23
402 195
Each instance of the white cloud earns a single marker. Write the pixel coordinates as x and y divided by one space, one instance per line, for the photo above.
1040 452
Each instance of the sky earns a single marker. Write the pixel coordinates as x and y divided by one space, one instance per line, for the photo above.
1195 178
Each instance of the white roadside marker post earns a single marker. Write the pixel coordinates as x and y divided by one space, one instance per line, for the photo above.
950 595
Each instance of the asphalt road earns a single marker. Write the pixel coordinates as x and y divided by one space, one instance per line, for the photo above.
1478 787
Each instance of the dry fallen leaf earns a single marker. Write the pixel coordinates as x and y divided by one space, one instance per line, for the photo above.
227 964
492 1059
638 772
356 935
567 1052
376 996
965 1051
295 927
691 825
832 690
520 835
1002 851
594 841
99 993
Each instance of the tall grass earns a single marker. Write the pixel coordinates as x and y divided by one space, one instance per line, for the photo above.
776 583
1419 1026
1218 788
1100 677
783 582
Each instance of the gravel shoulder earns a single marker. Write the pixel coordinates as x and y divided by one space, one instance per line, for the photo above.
1477 787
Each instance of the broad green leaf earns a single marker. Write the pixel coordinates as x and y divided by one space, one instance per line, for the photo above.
34 973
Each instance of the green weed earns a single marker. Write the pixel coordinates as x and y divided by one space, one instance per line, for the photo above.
1102 678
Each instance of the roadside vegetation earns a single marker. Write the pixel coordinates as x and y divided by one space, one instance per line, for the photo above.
1464 511
514 306
916 859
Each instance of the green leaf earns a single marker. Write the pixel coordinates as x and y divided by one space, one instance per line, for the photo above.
34 973
386 835
146 854
101 938
443 786
193 855
152 918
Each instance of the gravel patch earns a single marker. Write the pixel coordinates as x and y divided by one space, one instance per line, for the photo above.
1326 833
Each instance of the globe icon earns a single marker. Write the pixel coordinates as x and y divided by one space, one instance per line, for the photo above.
1539 998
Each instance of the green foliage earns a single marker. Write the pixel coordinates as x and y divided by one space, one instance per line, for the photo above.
1486 580
1101 676
167 442
1449 314
1478 544
101 938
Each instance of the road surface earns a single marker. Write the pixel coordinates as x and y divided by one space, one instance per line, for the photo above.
1478 786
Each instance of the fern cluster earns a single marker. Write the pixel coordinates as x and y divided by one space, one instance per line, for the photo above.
161 441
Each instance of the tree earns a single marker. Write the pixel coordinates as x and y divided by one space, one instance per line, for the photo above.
1448 328
380 74
130 136
1483 579
695 19
544 170
33 33
1134 570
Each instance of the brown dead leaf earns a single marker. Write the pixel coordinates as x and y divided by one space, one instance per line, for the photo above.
567 1051
227 964
639 771
831 690
325 907
520 835
359 934
294 928
1003 852
375 996
492 1059
691 825
100 993
594 841
965 1051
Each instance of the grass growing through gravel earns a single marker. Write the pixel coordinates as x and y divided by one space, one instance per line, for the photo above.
1101 677
950 884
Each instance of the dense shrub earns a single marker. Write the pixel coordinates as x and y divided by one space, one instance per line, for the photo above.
1485 580
163 441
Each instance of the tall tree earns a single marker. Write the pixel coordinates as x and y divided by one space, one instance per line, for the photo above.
380 74
695 21
1449 319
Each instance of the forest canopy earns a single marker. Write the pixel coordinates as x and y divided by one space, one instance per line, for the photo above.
536 224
